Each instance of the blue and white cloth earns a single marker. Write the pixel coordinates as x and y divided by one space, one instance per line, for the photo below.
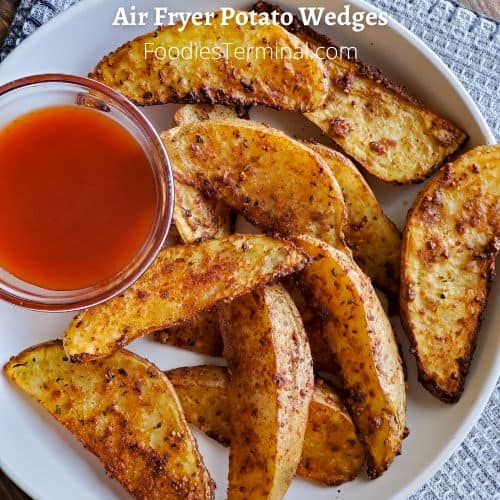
470 45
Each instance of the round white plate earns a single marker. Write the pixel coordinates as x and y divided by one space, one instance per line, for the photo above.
46 461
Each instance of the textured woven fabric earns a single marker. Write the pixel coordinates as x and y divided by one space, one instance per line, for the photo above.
470 45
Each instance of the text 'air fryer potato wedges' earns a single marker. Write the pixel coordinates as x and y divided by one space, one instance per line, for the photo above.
332 452
277 183
373 238
451 238
269 391
125 411
183 281
148 71
362 341
374 120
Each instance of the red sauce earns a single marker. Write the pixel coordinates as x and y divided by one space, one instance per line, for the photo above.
77 197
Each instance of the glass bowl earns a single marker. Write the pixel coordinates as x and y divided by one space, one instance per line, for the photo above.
39 91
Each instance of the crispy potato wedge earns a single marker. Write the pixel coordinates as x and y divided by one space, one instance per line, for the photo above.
196 216
183 281
201 335
323 360
125 411
250 168
362 341
451 238
189 113
269 391
145 70
375 121
373 238
332 452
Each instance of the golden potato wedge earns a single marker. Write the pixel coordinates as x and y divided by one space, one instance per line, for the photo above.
323 360
196 216
277 183
125 411
201 335
154 68
373 238
269 391
189 113
451 238
332 452
183 281
362 341
374 120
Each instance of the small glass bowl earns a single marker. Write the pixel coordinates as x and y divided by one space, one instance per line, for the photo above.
39 91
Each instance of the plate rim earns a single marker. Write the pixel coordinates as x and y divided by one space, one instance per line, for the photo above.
418 44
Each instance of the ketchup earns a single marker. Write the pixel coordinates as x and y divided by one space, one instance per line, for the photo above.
77 197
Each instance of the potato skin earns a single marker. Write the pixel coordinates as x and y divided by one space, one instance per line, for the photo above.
125 411
183 281
332 452
249 167
374 120
297 84
373 238
451 238
269 391
362 341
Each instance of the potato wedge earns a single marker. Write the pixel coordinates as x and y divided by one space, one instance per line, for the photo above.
375 121
148 71
189 113
323 360
196 216
183 281
362 341
277 183
201 335
373 238
269 391
451 238
332 452
125 411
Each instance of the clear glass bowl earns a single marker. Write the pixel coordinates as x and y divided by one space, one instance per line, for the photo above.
27 94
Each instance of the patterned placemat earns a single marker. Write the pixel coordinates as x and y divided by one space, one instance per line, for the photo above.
470 45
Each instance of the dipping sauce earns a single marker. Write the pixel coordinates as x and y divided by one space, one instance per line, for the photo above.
77 197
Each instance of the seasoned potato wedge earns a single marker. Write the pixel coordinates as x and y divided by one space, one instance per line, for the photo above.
374 120
269 391
332 452
277 183
323 360
451 238
362 341
373 238
196 216
189 113
125 411
201 335
147 71
183 281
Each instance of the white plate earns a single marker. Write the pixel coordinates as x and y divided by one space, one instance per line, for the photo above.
50 464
